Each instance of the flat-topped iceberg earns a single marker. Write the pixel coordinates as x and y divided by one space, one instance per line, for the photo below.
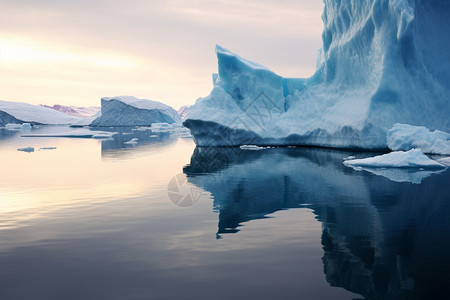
18 113
381 63
131 111
406 137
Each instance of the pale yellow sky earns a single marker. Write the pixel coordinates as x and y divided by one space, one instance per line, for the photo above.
75 52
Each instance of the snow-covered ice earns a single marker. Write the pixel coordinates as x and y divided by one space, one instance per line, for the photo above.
26 149
406 137
381 63
18 112
131 111
400 159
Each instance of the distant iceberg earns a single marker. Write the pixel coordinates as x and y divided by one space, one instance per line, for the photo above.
77 111
381 63
131 111
18 113
406 137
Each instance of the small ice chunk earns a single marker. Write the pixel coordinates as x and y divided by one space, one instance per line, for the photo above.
142 128
133 141
162 127
252 147
47 148
26 149
399 159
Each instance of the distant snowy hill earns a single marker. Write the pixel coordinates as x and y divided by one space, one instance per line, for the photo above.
81 112
18 112
381 63
183 111
131 111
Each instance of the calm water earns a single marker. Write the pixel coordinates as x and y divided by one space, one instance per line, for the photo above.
100 219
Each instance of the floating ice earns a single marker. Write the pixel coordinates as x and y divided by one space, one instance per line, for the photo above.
23 126
162 127
252 147
47 148
381 63
411 159
131 111
133 141
26 149
78 133
406 137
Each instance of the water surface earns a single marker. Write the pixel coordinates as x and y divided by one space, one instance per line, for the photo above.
100 219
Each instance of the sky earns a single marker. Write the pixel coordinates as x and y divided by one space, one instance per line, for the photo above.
74 52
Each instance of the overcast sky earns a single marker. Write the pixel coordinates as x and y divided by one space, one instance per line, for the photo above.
75 52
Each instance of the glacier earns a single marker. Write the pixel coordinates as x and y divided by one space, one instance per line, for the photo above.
19 113
131 111
382 62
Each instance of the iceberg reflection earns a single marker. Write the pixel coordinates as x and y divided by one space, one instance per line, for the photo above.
381 238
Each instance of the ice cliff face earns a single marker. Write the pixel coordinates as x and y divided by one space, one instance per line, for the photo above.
382 62
131 111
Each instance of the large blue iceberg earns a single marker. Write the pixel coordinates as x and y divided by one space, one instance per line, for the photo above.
382 62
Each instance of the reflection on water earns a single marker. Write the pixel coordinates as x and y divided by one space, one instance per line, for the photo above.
92 219
381 239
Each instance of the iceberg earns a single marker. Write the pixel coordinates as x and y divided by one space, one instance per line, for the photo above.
381 63
406 137
131 111
18 113
410 159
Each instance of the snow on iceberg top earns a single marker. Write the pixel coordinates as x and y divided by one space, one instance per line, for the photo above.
399 159
25 112
138 103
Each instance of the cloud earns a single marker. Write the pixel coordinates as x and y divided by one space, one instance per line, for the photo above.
174 38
